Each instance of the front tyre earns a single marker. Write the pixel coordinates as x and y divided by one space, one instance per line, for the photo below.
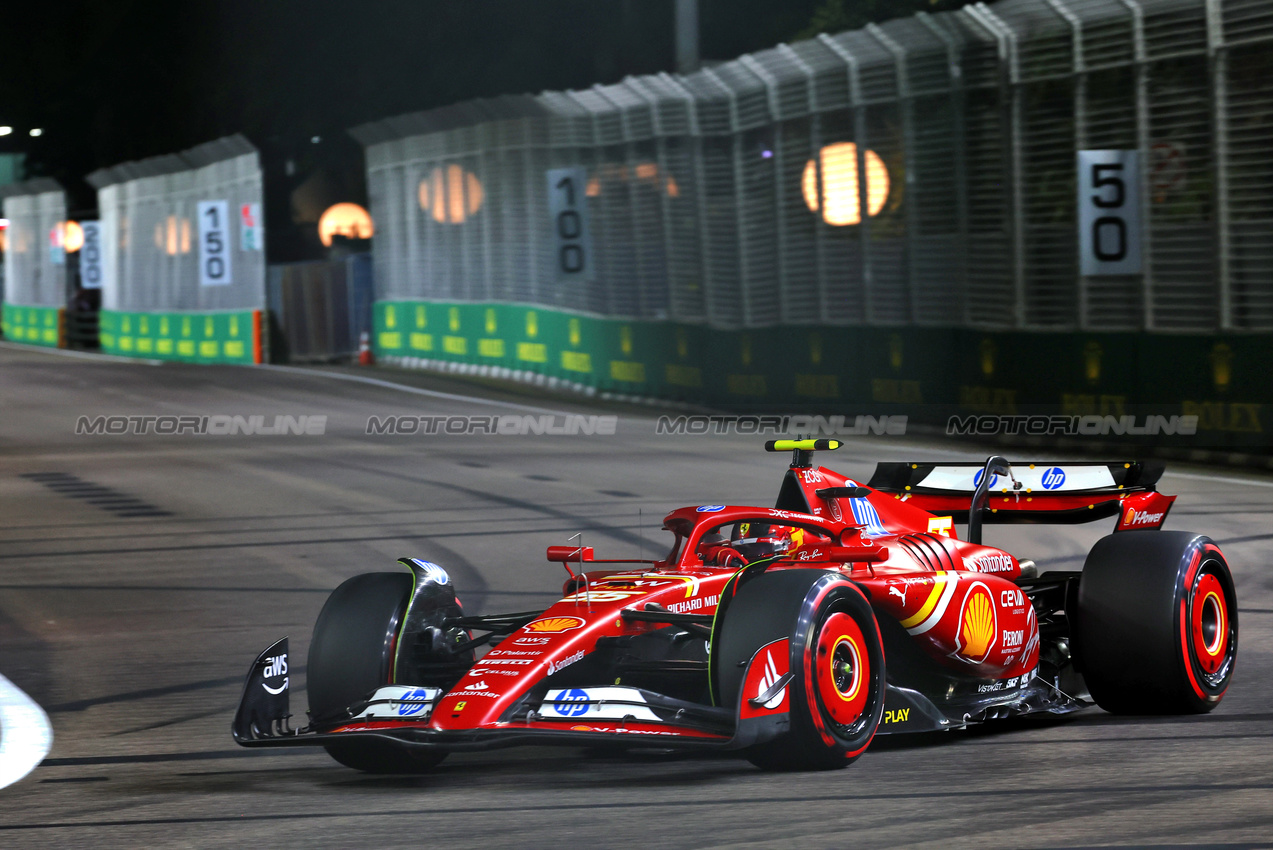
1157 625
837 659
350 656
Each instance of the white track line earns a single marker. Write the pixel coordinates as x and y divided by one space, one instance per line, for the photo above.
406 388
79 355
25 734
1222 479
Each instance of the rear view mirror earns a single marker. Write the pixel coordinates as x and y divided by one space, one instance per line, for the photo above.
564 554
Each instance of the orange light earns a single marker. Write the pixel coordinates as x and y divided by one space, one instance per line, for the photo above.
837 197
72 237
647 173
348 220
451 195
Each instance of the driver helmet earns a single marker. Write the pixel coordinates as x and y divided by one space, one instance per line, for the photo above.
763 541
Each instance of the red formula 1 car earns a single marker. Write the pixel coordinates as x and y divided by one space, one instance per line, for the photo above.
792 634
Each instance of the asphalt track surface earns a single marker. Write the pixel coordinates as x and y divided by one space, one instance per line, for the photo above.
133 622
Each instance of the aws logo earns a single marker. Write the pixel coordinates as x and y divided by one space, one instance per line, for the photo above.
978 625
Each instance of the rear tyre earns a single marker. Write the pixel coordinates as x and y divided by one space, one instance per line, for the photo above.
350 656
1157 624
837 658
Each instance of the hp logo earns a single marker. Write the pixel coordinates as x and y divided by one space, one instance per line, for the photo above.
408 709
1053 477
571 703
976 479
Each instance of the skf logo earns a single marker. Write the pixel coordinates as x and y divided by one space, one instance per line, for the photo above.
940 525
554 625
978 624
1011 598
1013 637
901 715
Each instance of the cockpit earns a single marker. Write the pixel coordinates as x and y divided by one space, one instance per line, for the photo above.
744 542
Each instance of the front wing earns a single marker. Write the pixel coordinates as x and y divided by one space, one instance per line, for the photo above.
598 715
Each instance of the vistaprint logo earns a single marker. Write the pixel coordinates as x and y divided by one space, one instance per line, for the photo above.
1087 426
508 425
821 426
217 425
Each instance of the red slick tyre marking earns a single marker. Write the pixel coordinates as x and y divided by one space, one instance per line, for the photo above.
1185 652
879 641
809 665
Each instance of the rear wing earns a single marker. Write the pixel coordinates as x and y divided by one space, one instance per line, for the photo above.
1049 492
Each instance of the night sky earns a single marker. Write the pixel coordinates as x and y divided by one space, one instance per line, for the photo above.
120 80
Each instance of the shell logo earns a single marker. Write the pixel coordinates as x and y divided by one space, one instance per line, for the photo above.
978 624
1129 517
554 625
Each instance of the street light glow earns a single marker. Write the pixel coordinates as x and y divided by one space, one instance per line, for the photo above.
36 131
4 131
72 237
349 220
833 187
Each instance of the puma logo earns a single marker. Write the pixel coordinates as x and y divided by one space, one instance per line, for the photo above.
893 590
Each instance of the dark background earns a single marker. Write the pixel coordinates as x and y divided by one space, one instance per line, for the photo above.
110 82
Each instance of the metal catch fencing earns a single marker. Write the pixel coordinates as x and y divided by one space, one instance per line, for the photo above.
157 244
730 197
35 268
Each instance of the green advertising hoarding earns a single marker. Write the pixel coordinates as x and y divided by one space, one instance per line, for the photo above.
203 337
927 374
34 325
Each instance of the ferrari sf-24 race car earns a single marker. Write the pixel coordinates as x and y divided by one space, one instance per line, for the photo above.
791 634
